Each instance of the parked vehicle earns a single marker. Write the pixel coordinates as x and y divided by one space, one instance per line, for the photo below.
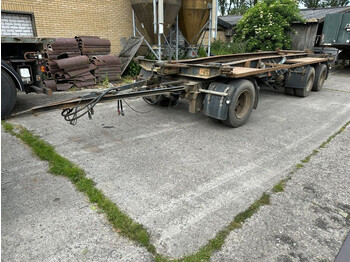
226 87
22 68
336 34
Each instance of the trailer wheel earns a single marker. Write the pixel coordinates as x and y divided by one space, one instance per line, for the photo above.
320 77
242 103
8 94
289 91
304 92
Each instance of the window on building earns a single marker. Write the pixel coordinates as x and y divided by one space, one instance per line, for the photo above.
17 24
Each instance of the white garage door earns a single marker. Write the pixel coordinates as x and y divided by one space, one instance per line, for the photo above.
13 24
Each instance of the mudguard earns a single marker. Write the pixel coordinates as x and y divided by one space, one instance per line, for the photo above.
297 77
215 106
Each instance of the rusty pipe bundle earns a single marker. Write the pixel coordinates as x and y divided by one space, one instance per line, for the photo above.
92 45
108 66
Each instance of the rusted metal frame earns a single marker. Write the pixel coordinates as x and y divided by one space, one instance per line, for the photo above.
212 92
194 96
200 71
266 70
260 58
273 64
137 90
73 114
221 58
183 64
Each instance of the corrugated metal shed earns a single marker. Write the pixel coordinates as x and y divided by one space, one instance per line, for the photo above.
310 15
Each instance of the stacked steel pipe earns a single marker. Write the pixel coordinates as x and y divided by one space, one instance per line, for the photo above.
93 45
107 67
75 70
67 64
62 48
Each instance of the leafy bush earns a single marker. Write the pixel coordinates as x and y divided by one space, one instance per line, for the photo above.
219 47
266 26
133 69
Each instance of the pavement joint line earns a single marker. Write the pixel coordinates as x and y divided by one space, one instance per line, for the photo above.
205 252
61 166
336 90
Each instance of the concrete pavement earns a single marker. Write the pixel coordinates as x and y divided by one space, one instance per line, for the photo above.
44 218
308 221
185 177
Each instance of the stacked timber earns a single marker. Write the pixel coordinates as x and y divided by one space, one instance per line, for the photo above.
62 48
107 67
93 45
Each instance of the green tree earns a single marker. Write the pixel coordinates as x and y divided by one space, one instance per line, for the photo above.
311 3
266 26
222 6
235 6
334 3
239 7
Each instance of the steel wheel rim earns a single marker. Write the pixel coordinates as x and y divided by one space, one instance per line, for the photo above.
322 79
243 103
310 83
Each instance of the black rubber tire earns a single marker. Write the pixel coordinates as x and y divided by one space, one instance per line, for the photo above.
289 91
242 103
320 77
310 79
8 94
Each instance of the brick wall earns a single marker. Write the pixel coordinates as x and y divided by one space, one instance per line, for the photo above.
16 25
109 19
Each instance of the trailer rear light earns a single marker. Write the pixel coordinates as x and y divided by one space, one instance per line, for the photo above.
42 69
25 75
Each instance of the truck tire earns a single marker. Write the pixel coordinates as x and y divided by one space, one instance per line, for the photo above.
304 92
320 77
8 94
242 102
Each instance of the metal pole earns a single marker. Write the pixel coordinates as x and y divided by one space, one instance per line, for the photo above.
155 16
149 46
160 27
209 41
214 18
133 23
216 22
177 37
171 50
201 31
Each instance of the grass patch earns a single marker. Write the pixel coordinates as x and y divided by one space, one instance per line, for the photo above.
299 166
59 165
279 187
216 243
323 145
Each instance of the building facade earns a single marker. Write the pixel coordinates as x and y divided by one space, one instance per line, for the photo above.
111 19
